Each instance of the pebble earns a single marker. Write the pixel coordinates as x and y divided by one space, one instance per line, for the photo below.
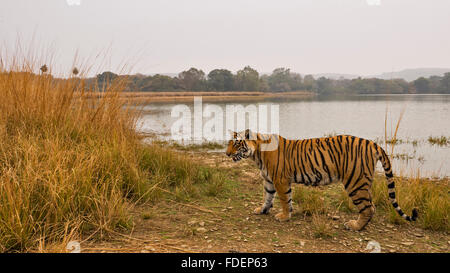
335 217
407 243
202 230
202 224
149 248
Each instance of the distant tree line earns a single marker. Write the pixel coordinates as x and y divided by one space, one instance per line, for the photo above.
280 80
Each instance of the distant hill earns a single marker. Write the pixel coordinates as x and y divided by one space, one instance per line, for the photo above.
411 74
406 74
336 76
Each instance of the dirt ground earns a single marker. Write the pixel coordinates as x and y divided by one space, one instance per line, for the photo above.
219 224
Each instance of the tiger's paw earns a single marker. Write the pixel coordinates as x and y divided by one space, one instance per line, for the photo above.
352 225
282 216
261 210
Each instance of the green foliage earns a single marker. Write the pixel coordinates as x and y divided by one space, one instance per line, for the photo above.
192 79
247 79
221 80
280 80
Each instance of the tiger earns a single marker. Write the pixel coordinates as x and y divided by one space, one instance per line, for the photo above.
313 162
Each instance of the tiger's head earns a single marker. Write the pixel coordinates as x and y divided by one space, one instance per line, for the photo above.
242 145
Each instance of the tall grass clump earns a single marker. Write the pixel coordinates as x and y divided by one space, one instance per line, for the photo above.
70 162
66 162
431 198
310 200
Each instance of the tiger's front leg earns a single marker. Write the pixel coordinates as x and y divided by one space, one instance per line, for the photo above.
269 193
283 188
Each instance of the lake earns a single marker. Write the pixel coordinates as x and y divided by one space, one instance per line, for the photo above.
363 116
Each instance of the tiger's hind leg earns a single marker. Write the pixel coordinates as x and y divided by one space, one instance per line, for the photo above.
362 199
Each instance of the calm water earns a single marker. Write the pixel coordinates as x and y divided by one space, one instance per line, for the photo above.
363 116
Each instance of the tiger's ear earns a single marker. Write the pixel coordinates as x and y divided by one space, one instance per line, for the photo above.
247 134
232 133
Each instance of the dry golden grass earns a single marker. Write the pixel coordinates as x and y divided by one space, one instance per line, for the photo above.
310 200
73 165
431 198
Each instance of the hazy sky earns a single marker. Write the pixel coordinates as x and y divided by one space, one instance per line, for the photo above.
308 36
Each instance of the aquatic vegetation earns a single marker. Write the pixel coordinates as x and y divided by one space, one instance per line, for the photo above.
440 141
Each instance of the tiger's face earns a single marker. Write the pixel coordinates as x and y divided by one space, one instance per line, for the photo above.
240 146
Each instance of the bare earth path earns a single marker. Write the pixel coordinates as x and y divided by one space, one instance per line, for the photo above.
219 224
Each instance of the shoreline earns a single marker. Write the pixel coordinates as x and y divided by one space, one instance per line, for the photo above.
208 96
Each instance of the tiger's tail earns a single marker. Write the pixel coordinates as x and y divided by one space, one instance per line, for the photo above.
382 156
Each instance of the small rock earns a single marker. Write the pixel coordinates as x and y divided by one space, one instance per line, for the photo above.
201 230
202 224
418 234
151 248
407 243
335 217
192 222
389 226
145 251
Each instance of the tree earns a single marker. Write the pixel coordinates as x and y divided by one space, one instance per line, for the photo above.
295 82
309 83
324 86
159 83
422 85
279 80
247 79
105 79
445 83
192 79
221 80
